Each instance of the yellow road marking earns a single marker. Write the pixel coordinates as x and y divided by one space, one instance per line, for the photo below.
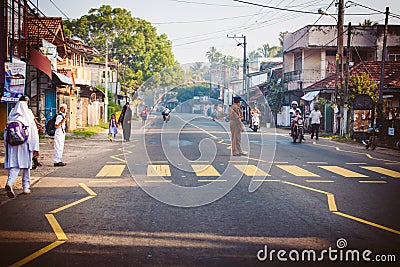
297 171
37 253
205 170
331 202
251 170
220 141
158 181
87 189
158 170
373 182
111 170
278 162
383 171
306 187
320 181
116 158
102 181
343 172
71 204
56 227
367 222
317 162
228 147
356 163
210 181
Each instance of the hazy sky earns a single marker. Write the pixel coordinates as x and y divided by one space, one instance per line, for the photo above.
194 26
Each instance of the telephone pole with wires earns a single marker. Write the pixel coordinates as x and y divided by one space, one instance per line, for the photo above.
245 89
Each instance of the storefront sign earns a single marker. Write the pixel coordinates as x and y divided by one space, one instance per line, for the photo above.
14 81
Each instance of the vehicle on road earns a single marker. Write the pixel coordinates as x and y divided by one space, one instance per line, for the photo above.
298 130
372 139
255 122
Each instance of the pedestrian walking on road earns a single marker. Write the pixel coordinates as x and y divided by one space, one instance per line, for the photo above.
122 115
126 124
144 116
315 116
236 126
59 136
112 127
19 156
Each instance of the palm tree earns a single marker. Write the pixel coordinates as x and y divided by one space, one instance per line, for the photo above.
198 71
368 22
264 50
281 34
254 55
213 55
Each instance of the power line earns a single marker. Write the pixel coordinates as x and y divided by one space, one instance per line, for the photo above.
206 4
62 12
277 8
206 20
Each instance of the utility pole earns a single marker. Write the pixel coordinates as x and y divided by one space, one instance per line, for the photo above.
380 101
106 85
339 56
346 87
2 42
245 89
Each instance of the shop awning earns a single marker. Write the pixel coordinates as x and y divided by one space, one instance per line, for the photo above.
59 78
310 96
41 62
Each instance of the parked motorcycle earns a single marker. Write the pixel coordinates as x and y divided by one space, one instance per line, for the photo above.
298 130
255 122
372 139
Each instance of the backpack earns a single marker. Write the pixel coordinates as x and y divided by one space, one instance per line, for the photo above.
16 133
51 125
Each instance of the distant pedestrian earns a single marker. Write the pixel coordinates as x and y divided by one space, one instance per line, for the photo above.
122 115
19 157
144 116
315 116
59 136
112 127
236 126
126 123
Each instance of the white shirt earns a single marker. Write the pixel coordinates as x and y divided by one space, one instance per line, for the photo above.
315 116
61 129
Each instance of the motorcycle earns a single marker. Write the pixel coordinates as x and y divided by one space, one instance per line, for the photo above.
166 117
371 142
298 130
255 122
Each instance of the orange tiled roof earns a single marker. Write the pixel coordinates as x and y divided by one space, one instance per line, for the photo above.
45 28
391 77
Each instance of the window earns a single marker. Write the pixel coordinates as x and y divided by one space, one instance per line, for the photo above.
297 61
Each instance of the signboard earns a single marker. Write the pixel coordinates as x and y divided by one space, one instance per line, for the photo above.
14 81
391 131
363 108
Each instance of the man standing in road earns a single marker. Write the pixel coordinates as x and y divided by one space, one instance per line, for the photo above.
236 126
59 136
315 116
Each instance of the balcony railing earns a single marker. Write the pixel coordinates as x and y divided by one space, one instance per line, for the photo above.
307 75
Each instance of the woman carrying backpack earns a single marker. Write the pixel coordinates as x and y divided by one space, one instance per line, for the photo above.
19 156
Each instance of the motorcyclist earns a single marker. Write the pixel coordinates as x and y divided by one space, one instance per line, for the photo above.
254 112
293 115
165 112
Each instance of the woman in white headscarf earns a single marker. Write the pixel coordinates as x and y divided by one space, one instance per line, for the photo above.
19 157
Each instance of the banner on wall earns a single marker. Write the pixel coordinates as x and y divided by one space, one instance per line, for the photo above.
14 80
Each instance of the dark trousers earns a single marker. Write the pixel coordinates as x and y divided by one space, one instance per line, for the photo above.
314 129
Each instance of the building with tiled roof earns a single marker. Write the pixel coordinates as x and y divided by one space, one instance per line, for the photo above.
391 75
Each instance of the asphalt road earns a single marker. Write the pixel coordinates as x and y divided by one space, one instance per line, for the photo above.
175 196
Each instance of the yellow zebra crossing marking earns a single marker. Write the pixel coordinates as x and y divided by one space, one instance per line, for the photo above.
251 170
383 171
205 170
111 170
343 172
297 171
158 170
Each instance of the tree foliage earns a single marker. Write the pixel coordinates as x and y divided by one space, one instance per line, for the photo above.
275 97
187 92
132 41
361 84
